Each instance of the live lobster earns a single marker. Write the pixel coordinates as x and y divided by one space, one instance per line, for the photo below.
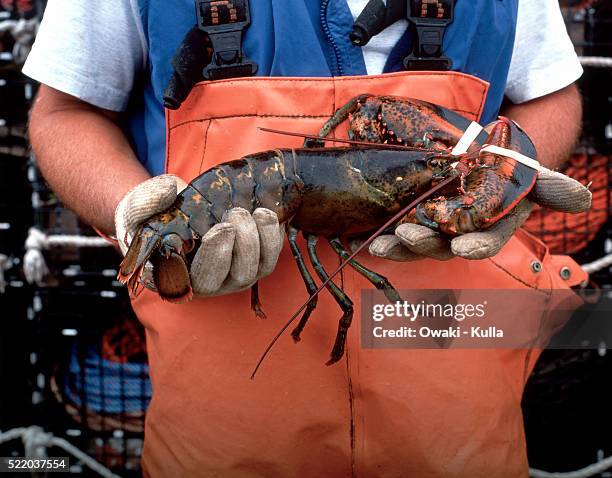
341 192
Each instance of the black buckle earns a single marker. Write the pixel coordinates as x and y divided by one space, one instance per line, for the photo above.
430 19
224 21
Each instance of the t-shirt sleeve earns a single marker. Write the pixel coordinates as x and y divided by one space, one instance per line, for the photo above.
92 50
543 59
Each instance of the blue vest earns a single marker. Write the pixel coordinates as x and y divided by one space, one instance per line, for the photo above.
309 38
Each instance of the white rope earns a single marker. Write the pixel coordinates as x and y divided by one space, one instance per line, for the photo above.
591 470
597 265
10 435
23 31
36 441
596 61
16 150
34 265
5 264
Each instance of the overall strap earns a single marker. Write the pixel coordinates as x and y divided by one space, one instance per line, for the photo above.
224 21
428 18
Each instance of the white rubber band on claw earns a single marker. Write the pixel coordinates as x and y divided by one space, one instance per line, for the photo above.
508 153
469 136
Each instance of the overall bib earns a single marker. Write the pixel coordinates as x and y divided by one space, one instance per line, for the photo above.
376 413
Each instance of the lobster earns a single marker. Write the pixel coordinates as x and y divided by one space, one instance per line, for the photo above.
339 192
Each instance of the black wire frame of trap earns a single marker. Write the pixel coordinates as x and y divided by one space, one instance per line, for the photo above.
566 403
79 300
69 321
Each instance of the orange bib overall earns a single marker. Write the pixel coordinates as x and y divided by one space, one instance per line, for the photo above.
376 413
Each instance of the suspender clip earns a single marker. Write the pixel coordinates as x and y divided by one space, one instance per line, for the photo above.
430 18
224 22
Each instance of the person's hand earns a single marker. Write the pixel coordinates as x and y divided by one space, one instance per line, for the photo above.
413 241
231 256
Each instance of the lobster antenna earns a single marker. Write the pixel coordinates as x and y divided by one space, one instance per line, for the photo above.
349 141
366 243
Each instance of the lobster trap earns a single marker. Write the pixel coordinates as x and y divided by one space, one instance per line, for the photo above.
91 382
586 236
88 362
72 355
566 407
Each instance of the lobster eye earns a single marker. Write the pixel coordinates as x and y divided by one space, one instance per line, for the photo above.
434 162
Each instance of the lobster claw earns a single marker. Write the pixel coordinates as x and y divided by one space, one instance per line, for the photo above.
139 252
491 188
170 270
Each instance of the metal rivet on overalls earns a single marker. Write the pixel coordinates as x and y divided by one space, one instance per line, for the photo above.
565 273
536 266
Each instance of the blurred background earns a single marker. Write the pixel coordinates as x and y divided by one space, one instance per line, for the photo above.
73 364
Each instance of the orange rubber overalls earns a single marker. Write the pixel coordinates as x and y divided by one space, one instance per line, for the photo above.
376 413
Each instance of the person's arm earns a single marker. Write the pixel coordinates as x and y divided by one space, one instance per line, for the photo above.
540 89
84 155
553 122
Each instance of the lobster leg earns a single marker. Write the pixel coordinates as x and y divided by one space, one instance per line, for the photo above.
339 116
378 281
256 303
311 287
341 298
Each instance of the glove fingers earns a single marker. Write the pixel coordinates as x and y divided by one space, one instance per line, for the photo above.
271 237
245 260
557 191
424 241
487 243
390 247
147 199
212 262
143 201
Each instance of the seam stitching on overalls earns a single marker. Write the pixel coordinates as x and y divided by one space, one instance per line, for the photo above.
352 411
253 115
204 147
361 78
526 364
483 97
518 279
272 115
347 352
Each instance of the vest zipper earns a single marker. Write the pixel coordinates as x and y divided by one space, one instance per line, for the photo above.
330 38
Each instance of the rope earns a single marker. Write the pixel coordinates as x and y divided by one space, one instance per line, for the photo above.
23 31
591 470
34 265
596 61
597 265
36 441
5 264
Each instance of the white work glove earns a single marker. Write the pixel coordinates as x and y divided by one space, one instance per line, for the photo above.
231 256
413 241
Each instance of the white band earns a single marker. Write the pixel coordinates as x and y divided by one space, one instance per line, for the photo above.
508 153
470 135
